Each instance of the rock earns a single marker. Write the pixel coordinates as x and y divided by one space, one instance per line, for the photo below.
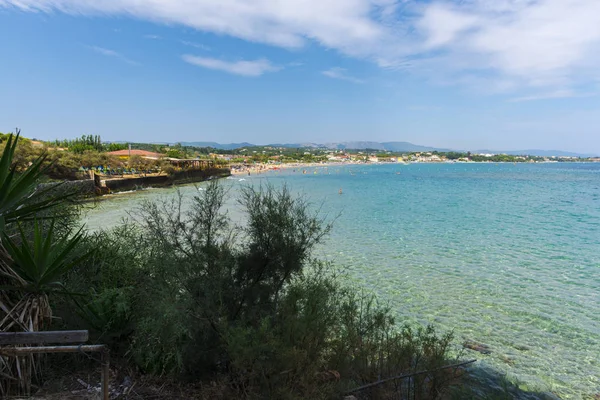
349 398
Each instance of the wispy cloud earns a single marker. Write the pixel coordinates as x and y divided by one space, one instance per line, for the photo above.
195 45
546 45
112 53
558 94
354 27
244 68
536 44
340 73
152 37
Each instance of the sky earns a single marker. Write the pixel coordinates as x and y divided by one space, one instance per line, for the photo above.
460 74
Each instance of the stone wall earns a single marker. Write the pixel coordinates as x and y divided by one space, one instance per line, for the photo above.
85 187
189 176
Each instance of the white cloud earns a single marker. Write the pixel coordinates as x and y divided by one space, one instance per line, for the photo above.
441 25
287 23
524 43
153 37
112 53
512 44
244 68
340 73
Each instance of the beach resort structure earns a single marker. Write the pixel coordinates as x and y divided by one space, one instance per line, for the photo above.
176 162
125 154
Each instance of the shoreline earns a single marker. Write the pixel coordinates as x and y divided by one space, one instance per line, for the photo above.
260 168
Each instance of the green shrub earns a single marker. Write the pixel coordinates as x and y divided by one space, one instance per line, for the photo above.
196 297
111 280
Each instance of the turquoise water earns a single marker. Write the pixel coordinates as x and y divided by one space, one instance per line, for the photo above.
506 255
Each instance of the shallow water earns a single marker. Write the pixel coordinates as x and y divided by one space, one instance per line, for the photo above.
506 255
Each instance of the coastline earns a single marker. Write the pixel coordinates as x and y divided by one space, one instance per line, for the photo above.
260 168
264 167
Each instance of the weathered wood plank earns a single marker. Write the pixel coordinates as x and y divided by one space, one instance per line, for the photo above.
105 373
20 351
12 338
83 348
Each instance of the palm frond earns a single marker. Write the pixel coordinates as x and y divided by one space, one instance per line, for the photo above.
19 197
43 261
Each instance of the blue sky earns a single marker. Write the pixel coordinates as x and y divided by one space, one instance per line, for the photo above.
469 74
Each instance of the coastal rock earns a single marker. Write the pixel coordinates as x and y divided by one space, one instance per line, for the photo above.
480 347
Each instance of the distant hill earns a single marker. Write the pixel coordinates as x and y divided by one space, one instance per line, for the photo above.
355 146
409 147
385 146
389 146
295 145
215 145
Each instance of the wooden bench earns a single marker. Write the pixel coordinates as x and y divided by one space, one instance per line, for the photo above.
17 344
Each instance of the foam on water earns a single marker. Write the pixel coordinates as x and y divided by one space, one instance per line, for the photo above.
507 255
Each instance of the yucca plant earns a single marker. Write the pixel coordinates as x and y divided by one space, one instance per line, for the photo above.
39 267
19 197
28 273
20 200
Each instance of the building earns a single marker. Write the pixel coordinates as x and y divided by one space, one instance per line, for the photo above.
176 162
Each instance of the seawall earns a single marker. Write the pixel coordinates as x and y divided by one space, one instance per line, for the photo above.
181 177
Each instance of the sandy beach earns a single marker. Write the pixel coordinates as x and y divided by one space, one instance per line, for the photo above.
261 168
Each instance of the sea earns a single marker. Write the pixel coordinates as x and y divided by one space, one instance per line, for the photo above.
506 255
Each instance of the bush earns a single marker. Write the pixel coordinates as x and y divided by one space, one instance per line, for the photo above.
110 280
195 297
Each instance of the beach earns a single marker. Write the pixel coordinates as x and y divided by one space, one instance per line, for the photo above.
263 168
